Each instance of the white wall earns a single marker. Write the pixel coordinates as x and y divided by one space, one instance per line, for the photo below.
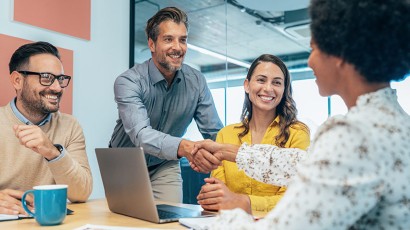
96 65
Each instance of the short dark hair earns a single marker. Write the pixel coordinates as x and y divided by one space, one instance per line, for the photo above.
169 13
21 57
372 35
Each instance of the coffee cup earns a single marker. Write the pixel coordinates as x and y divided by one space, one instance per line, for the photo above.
50 204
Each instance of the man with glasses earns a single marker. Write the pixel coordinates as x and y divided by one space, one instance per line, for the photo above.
38 144
157 101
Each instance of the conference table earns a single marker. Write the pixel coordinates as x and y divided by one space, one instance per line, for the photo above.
96 212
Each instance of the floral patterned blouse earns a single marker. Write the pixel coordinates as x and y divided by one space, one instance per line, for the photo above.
356 175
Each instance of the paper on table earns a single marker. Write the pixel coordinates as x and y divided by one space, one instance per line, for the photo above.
197 223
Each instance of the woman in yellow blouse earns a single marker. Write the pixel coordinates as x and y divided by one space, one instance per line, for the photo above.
269 117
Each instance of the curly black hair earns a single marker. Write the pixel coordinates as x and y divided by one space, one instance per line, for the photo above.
372 35
286 109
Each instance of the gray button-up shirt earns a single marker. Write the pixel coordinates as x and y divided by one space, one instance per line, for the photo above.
155 116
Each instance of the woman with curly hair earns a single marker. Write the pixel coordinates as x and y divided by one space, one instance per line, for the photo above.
268 117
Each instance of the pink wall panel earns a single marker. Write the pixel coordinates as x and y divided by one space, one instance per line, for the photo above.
8 45
70 17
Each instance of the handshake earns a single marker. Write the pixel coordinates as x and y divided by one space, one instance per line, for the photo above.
207 155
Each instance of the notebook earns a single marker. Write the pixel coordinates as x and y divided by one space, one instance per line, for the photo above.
128 187
4 217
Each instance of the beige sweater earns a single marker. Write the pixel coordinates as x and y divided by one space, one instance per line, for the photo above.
21 168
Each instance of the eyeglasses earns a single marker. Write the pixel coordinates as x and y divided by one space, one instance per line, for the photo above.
47 79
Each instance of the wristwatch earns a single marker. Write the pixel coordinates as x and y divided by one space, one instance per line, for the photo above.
59 147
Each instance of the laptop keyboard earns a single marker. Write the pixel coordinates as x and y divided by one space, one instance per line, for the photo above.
168 215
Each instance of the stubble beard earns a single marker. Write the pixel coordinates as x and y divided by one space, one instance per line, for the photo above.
38 107
168 66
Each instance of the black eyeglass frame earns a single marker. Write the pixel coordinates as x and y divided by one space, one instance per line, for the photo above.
60 78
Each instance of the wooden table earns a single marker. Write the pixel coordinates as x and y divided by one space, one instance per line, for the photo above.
96 212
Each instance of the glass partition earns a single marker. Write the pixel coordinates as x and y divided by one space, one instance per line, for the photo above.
225 36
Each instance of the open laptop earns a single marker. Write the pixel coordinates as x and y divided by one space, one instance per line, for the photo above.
128 187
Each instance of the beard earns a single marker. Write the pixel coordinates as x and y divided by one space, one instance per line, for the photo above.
36 106
168 65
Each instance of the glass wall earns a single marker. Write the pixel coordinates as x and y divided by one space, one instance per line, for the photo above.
225 37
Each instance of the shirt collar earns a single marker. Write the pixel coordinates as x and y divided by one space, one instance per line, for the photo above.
275 121
156 76
384 95
23 119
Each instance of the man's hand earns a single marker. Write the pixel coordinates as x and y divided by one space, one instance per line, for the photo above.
209 145
203 160
32 137
219 151
205 156
215 196
10 202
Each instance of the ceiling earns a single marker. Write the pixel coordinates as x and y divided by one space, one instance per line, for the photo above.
232 29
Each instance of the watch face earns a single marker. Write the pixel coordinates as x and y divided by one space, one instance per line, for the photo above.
59 147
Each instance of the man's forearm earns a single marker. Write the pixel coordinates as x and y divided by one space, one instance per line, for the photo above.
185 148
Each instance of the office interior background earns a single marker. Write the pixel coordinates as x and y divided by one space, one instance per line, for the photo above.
224 38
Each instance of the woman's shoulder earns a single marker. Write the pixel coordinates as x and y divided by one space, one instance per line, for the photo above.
299 126
229 128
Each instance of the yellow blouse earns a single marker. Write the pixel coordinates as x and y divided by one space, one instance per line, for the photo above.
263 196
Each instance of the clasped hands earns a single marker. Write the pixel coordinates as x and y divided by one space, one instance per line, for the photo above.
206 156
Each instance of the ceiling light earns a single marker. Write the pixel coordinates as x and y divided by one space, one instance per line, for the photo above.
274 5
219 56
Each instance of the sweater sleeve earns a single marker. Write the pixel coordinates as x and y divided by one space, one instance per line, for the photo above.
73 168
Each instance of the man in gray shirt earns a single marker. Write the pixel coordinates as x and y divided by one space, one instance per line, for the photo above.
158 99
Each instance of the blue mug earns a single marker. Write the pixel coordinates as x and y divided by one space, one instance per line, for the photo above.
50 204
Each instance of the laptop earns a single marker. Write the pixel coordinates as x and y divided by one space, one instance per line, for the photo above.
128 187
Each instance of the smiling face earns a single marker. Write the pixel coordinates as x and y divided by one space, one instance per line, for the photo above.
265 87
34 99
169 50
